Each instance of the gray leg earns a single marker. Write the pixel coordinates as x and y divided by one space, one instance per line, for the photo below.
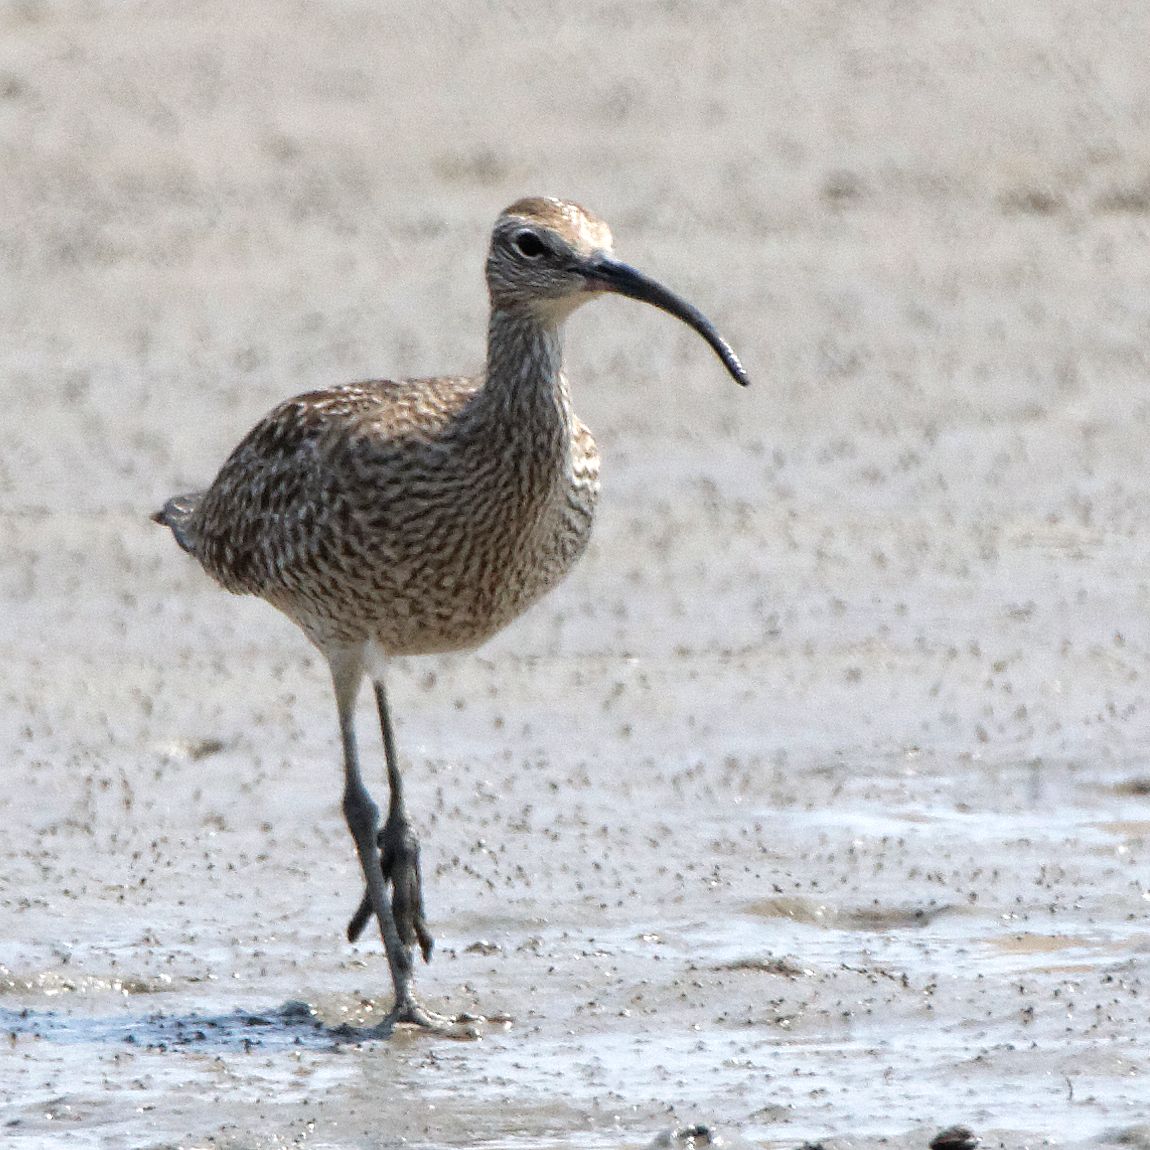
363 819
399 852
362 816
398 846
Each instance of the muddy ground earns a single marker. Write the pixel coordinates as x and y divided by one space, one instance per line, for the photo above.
815 806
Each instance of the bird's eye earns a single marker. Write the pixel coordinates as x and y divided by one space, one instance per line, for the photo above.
528 244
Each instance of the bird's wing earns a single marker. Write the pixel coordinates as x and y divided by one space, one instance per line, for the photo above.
293 493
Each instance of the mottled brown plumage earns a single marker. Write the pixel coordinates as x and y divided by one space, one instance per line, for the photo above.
417 516
401 514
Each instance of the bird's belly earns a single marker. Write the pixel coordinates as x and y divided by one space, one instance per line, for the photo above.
459 605
448 588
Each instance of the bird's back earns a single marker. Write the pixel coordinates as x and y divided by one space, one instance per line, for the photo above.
413 513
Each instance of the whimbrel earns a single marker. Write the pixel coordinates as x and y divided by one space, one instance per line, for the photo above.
419 516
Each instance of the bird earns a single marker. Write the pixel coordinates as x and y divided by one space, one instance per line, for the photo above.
393 518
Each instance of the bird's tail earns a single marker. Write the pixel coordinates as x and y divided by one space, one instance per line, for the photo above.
177 514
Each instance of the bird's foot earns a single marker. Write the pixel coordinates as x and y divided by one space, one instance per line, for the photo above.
414 1016
399 861
412 1013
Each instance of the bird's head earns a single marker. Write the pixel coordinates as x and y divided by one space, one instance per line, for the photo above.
548 256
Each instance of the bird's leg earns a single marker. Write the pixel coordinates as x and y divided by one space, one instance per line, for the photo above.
362 816
399 852
398 846
362 819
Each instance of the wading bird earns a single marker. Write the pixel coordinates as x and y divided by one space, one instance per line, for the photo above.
419 516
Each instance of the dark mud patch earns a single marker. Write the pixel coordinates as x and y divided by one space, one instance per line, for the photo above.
293 1024
1134 1137
817 913
1138 786
767 964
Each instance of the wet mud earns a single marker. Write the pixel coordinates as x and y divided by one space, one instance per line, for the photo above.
815 807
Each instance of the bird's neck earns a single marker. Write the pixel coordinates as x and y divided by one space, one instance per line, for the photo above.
525 367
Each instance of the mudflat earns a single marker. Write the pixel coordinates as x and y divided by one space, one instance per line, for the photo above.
815 805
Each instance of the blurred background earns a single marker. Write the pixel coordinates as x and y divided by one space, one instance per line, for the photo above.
870 637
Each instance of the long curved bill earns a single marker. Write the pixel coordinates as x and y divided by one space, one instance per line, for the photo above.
606 274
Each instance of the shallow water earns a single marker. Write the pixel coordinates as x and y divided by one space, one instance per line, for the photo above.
845 969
